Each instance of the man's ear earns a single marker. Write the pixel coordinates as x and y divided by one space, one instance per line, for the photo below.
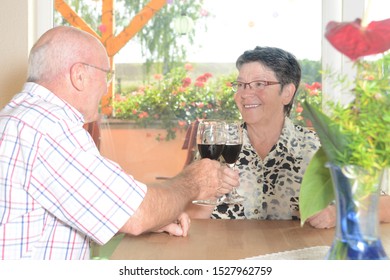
77 76
288 93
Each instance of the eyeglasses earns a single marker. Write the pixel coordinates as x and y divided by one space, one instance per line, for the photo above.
257 85
109 74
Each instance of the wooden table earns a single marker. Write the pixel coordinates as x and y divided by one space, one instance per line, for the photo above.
229 240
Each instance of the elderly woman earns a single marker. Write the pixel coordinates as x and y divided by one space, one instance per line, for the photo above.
275 152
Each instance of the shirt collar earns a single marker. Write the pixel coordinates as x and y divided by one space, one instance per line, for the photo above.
45 94
286 143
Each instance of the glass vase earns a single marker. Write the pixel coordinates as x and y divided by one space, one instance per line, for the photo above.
357 195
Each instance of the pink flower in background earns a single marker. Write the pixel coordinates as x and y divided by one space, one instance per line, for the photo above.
203 78
143 115
181 89
158 77
204 13
199 84
314 88
200 104
182 123
188 67
207 75
186 82
102 28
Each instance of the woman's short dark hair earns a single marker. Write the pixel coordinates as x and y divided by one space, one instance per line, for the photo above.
284 64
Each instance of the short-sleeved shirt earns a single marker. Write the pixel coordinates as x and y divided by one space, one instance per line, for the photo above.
56 191
271 185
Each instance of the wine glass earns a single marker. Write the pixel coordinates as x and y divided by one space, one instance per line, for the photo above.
210 139
230 154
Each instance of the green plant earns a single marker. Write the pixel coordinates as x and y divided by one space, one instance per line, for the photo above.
159 42
356 134
175 100
311 93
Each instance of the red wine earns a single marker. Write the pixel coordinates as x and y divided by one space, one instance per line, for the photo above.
211 151
231 152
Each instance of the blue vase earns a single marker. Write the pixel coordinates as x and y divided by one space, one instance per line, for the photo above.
357 196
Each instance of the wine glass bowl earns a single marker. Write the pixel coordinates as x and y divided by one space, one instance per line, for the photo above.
211 138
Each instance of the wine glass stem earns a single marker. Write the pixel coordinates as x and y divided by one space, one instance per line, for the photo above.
233 191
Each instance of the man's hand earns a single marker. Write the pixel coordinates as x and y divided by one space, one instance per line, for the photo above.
178 228
210 178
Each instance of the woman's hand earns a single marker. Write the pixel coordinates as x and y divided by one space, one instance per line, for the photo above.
324 219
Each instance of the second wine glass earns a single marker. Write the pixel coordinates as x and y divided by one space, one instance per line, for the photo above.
230 154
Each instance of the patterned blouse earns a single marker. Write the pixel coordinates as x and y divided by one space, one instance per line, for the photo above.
271 186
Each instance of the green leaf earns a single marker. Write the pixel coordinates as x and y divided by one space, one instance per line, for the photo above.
333 141
317 188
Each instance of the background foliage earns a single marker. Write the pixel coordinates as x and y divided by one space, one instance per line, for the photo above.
161 46
175 100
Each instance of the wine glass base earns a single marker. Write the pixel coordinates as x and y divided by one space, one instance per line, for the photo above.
205 202
208 202
238 199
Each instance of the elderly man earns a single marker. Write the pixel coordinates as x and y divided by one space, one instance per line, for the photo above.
56 191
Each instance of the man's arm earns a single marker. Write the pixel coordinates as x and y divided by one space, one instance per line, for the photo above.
164 202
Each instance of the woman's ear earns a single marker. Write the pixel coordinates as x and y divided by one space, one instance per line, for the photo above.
288 93
77 76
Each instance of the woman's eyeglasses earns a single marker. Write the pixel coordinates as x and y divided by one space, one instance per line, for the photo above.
257 85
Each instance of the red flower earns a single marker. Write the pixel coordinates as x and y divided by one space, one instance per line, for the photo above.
200 104
299 108
182 123
188 67
143 115
199 84
207 75
181 89
313 86
186 82
201 78
158 77
354 40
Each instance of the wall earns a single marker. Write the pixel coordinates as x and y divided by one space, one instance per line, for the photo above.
21 23
14 47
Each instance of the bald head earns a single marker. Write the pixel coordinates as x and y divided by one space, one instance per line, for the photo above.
61 62
57 50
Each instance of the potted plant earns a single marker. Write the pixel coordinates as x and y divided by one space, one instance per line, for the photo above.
355 142
311 93
174 101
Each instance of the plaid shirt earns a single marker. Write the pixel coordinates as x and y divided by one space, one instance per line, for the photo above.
56 190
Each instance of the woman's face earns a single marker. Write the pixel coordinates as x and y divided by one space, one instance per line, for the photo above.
259 106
